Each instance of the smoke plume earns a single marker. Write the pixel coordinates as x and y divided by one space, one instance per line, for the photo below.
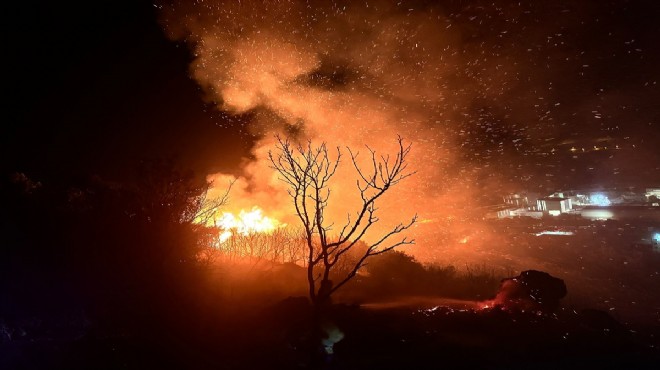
446 78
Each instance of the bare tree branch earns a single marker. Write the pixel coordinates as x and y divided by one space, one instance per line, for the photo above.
307 171
208 207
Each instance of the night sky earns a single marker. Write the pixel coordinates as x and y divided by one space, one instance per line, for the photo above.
95 88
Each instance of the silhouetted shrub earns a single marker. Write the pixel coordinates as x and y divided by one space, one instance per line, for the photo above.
531 290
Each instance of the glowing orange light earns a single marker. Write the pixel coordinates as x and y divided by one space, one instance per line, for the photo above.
486 304
247 222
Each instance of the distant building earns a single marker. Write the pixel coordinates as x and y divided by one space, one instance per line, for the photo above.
579 199
554 205
516 200
522 212
653 192
521 200
500 211
559 194
653 196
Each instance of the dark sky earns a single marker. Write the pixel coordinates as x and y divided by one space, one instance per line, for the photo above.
95 88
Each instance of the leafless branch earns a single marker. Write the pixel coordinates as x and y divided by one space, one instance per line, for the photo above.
307 171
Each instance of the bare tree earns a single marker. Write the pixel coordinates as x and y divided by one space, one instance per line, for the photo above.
307 170
204 208
282 245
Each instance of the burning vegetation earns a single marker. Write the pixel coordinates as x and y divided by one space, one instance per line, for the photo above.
324 239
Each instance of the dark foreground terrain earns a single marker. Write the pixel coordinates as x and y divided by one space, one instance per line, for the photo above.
114 280
277 337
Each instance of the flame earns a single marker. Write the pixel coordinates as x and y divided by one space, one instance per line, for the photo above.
246 223
485 305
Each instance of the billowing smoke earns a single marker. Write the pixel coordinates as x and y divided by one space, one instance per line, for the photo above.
360 73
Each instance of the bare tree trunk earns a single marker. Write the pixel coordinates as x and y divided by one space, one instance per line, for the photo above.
307 171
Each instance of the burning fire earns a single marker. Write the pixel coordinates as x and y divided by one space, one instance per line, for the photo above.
246 223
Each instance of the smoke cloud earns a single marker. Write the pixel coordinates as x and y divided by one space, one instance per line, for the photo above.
457 81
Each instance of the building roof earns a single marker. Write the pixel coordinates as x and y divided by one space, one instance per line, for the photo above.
553 198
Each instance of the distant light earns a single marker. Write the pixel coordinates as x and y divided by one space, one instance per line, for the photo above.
597 214
656 237
554 232
599 200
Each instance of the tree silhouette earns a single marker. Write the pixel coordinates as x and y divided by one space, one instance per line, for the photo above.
307 171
